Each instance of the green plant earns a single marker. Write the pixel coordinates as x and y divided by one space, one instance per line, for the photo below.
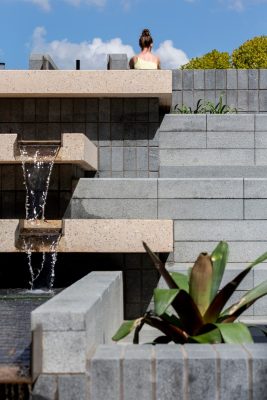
212 60
251 54
205 107
192 309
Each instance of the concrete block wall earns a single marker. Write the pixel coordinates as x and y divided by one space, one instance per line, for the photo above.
67 328
244 89
184 372
231 140
204 210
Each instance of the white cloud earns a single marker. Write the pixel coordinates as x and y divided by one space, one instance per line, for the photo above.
170 57
240 5
98 3
43 4
93 55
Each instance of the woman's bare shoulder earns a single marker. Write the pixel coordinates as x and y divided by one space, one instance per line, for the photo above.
132 61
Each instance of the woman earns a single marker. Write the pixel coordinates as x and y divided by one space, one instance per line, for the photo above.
145 59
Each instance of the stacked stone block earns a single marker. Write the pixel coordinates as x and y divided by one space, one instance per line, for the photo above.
244 89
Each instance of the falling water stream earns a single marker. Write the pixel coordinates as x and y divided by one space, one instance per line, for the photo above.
37 164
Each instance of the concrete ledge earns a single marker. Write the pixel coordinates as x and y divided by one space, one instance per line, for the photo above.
189 371
75 148
114 83
67 328
99 236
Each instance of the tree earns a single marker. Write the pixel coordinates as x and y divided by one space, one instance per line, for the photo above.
212 60
251 54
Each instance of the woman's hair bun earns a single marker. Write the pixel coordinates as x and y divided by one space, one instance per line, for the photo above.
146 32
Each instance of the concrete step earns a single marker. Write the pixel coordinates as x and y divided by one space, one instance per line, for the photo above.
214 171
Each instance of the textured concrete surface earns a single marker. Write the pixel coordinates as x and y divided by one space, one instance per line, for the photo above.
114 83
100 236
66 330
75 149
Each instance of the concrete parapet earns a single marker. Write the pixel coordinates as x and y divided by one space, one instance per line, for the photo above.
41 61
67 328
192 371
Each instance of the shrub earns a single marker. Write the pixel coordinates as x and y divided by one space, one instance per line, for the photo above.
211 60
251 54
205 107
192 309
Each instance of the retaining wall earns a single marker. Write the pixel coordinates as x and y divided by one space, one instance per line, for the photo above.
244 89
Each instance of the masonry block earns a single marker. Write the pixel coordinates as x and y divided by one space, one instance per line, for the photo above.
263 79
117 61
242 101
142 159
200 209
105 373
244 230
231 98
105 158
231 140
177 98
199 81
210 95
129 158
177 76
45 387
182 140
231 77
210 82
170 372
188 98
259 369
181 123
137 368
261 156
220 79
92 110
230 122
263 100
234 372
188 79
117 159
253 100
200 188
261 140
202 371
192 157
153 159
72 387
253 78
242 79
116 134
255 188
261 122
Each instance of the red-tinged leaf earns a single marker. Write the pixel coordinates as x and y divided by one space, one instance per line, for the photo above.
224 295
188 312
245 302
160 266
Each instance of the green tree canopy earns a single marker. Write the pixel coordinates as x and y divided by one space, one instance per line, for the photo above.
251 54
212 60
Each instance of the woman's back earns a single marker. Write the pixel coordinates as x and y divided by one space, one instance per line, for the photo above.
145 59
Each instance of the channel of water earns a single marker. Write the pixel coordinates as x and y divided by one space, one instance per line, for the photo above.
37 164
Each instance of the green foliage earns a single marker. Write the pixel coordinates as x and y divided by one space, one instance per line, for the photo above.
251 54
191 310
212 60
205 107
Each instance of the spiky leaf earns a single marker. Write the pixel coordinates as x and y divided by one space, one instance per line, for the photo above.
163 298
235 333
219 258
224 295
124 330
181 280
246 301
213 336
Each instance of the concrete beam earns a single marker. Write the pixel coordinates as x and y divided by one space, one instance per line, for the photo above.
75 148
97 236
132 83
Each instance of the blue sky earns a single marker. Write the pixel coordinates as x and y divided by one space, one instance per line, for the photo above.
89 29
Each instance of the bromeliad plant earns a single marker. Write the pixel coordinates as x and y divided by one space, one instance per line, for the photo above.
205 107
192 309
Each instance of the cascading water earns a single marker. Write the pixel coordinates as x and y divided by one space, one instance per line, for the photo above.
37 164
